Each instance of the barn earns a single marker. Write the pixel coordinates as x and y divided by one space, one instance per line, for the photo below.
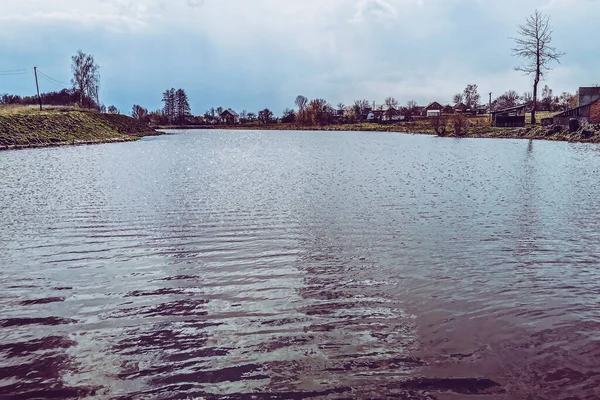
509 117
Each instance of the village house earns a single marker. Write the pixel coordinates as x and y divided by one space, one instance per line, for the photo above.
433 110
461 108
230 117
587 111
448 109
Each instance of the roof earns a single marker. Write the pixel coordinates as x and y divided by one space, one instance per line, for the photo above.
230 112
434 104
460 105
515 108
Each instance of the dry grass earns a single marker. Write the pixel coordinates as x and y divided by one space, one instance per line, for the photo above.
14 109
27 126
539 116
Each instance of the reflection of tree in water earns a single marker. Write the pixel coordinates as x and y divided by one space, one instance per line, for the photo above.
527 219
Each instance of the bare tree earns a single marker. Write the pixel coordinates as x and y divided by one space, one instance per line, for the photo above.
361 108
533 45
458 98
140 113
459 121
564 100
86 75
471 97
301 102
392 107
439 123
411 107
527 97
506 100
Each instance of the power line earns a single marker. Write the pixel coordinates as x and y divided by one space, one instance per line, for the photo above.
13 70
52 79
49 81
13 73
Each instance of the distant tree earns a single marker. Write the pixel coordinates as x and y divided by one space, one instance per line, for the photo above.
288 116
411 107
218 112
527 97
252 117
319 112
103 108
392 107
156 117
169 109
113 110
265 116
546 101
574 100
140 113
361 109
328 114
472 97
506 100
10 99
458 98
301 103
533 46
182 106
86 76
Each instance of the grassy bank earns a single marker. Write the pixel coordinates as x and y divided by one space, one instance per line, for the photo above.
23 127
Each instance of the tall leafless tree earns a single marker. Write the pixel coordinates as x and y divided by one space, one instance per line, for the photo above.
533 45
301 102
86 75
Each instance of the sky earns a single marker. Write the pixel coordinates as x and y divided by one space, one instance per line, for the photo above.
252 54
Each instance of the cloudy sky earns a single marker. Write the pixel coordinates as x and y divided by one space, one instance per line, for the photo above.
251 54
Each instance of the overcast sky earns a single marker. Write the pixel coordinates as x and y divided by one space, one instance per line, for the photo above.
251 54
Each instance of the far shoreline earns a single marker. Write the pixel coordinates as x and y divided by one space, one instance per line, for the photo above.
478 132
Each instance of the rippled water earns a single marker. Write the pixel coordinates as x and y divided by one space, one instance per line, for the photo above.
279 265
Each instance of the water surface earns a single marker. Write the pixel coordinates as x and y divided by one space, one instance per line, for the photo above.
278 265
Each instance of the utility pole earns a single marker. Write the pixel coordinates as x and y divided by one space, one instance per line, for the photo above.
490 107
37 86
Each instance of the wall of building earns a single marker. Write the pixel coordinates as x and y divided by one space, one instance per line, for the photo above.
588 95
595 113
564 121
